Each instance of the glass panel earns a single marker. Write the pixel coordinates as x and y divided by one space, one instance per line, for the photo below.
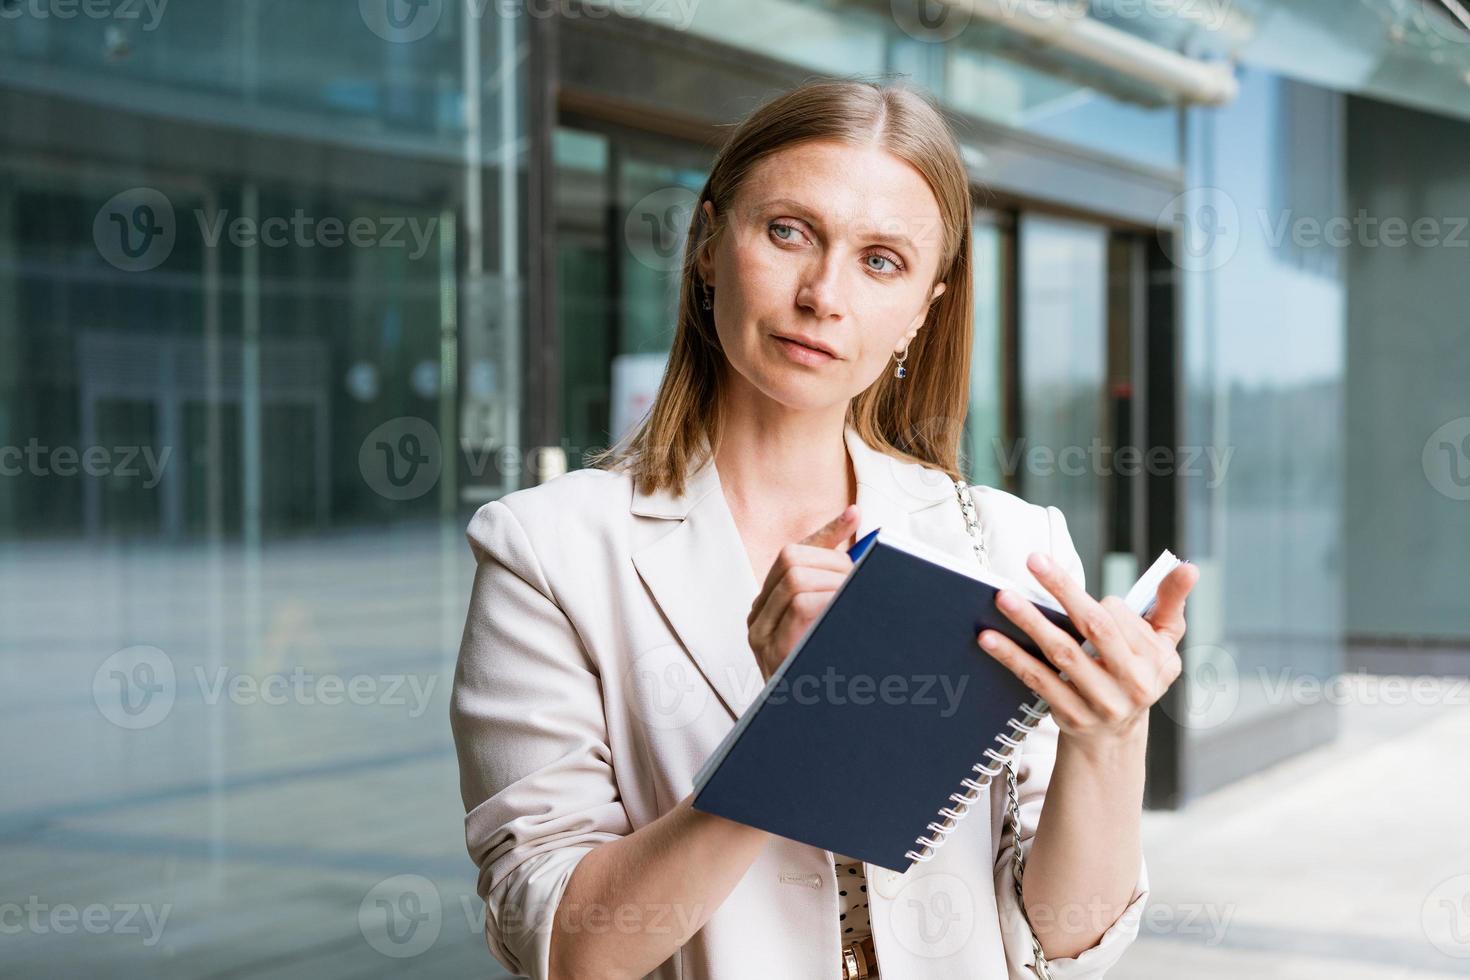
846 41
985 422
656 200
989 85
1122 477
1263 499
623 209
1406 305
1063 296
584 283
258 280
292 64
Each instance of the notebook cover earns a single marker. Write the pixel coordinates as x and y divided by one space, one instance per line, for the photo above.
886 705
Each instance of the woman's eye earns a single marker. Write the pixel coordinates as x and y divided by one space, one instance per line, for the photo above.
891 267
784 232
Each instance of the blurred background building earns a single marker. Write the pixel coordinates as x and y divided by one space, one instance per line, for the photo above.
287 290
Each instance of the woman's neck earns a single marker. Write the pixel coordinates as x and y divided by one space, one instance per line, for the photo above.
792 470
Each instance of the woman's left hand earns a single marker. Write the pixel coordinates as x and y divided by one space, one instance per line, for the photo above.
1107 698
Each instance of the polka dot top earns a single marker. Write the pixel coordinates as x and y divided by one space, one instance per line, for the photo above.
852 898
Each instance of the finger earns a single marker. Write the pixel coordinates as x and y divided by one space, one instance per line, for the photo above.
792 556
1066 703
835 531
798 617
1055 643
804 579
1097 686
1091 619
1143 679
796 580
1167 615
805 556
811 556
1135 630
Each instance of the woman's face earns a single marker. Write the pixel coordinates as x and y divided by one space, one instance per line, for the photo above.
831 244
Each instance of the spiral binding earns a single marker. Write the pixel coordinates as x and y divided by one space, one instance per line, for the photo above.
1032 714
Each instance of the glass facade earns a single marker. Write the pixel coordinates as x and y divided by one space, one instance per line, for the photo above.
262 298
1408 463
972 65
1262 506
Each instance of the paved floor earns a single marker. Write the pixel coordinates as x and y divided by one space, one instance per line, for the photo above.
185 794
1349 861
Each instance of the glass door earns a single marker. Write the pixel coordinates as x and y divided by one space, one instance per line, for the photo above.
1082 362
990 421
1063 306
623 204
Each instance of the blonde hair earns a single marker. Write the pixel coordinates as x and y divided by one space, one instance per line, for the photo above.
918 418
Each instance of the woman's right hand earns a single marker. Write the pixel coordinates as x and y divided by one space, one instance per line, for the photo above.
801 582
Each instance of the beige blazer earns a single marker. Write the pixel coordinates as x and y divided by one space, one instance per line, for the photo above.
605 656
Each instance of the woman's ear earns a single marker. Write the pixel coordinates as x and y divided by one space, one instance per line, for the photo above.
912 331
704 262
918 320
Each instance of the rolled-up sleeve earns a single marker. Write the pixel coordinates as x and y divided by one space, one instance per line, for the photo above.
535 767
1034 766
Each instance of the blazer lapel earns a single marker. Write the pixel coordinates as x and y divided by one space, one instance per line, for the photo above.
702 581
700 576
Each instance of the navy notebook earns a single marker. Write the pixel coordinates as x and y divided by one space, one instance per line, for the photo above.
860 741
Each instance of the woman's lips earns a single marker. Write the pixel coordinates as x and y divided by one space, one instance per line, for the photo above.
802 354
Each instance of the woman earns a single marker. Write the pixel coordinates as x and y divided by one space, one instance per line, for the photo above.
624 616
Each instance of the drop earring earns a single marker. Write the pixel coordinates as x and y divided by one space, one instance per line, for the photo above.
708 294
899 371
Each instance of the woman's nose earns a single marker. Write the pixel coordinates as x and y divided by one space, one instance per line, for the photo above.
820 291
